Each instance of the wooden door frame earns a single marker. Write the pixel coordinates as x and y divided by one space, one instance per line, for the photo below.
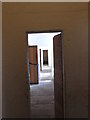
63 67
40 59
34 46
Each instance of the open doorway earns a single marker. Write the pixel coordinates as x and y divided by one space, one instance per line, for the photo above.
45 57
45 74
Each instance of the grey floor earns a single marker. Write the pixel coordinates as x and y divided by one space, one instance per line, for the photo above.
42 96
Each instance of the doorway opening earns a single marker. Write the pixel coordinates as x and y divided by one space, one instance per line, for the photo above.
45 69
45 57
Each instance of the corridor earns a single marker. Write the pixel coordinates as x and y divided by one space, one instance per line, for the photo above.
42 96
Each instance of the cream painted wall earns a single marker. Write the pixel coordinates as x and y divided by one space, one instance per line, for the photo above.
0 60
18 18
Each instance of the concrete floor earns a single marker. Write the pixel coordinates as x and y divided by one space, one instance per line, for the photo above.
42 96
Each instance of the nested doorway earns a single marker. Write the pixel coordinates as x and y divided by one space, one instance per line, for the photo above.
45 57
58 71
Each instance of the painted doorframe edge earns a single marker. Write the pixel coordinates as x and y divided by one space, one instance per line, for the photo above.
63 65
27 57
1 60
64 80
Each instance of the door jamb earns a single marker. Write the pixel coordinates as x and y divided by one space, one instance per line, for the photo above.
63 66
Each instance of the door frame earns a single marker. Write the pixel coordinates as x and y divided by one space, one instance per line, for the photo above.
47 57
63 66
34 46
40 60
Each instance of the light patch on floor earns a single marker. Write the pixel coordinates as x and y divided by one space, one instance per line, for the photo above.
45 75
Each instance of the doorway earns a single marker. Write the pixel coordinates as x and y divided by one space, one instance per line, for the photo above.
56 69
45 57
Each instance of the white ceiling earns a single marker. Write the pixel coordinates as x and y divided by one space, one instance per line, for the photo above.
41 39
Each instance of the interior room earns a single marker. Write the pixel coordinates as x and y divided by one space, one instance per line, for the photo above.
20 17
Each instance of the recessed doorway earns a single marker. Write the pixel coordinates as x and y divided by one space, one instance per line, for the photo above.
45 57
45 63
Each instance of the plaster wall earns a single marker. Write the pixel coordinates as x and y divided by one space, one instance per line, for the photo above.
18 18
0 60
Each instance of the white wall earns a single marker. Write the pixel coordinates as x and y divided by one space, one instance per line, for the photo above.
0 60
44 42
